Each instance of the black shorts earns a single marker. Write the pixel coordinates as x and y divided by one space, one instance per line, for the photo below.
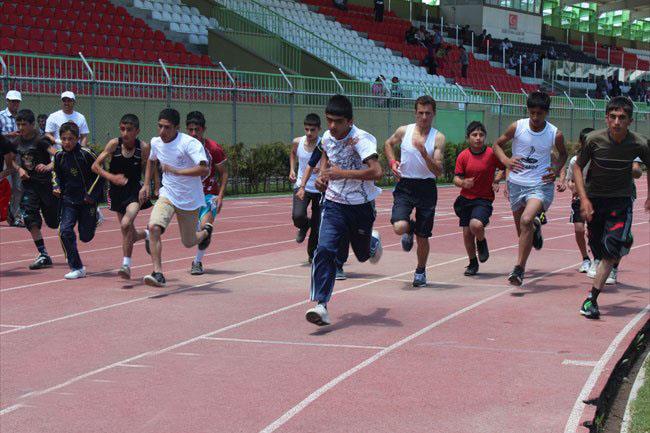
38 199
609 230
421 194
119 198
468 209
575 212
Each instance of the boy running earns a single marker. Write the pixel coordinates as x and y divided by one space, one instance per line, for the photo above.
214 185
184 163
475 175
531 175
421 150
606 195
348 209
125 168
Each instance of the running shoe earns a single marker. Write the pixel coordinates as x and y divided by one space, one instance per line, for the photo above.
340 274
75 273
542 218
591 273
42 261
301 235
613 277
516 277
318 315
471 269
538 239
376 249
420 280
205 243
589 309
156 279
125 272
100 217
407 242
585 266
483 252
197 268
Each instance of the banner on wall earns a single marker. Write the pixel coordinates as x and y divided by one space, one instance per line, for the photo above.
516 26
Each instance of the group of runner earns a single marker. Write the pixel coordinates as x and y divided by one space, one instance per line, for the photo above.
336 174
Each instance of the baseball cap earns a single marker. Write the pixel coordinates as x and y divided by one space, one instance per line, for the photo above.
68 94
14 95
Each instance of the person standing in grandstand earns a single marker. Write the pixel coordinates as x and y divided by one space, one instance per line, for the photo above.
421 151
214 185
606 197
349 167
34 167
66 114
125 154
9 129
475 174
531 174
80 191
184 163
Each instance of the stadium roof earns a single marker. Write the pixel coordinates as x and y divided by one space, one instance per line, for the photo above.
639 9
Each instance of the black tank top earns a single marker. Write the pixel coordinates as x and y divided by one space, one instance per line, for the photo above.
130 167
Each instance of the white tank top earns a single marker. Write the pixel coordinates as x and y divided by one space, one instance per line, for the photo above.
412 164
303 161
534 149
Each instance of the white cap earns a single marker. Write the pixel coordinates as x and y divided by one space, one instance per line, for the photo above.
68 94
14 95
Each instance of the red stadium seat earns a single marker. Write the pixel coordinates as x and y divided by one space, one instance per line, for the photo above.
7 31
6 44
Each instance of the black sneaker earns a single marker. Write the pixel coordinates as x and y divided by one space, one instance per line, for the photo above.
590 309
471 269
42 261
302 234
407 241
197 268
538 240
340 274
516 277
205 243
483 252
156 279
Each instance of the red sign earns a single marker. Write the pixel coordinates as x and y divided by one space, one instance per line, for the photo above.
512 20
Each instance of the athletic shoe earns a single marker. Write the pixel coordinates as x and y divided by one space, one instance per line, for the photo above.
538 240
100 217
125 272
613 276
42 261
590 309
75 273
376 249
483 252
407 242
301 235
585 266
340 274
205 243
542 218
471 269
318 315
420 280
156 279
516 277
197 268
591 273
18 222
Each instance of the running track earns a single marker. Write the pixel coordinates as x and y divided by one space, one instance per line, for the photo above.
231 351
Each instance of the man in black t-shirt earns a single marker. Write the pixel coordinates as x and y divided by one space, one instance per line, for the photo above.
34 167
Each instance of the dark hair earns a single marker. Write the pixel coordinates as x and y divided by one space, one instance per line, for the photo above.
620 103
195 118
41 116
69 127
312 119
339 105
25 116
171 115
130 119
539 99
425 100
473 126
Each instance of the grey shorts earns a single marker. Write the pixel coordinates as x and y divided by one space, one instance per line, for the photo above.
519 195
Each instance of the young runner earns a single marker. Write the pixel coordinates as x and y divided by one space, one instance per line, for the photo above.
80 192
606 195
475 174
531 174
421 151
125 168
350 191
183 163
7 154
214 185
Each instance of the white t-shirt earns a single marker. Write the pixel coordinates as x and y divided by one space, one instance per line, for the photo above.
569 169
348 156
303 162
58 118
412 164
535 149
185 192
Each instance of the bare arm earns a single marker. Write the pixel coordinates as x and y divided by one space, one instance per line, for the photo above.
637 172
200 170
223 183
84 140
145 191
50 136
98 165
373 172
512 164
292 160
10 163
435 165
389 151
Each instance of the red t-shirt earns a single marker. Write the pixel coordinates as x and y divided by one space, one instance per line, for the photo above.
216 156
481 167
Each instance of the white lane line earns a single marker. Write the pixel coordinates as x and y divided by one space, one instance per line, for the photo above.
579 405
12 408
12 326
103 381
451 283
186 354
133 365
579 363
294 343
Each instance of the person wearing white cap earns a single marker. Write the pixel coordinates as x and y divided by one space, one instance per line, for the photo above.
66 114
9 129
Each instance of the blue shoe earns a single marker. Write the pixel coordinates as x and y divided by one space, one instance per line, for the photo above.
376 249
420 280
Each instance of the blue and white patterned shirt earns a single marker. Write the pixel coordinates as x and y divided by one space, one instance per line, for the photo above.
7 122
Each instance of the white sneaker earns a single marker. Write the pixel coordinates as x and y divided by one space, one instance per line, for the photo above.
376 249
318 315
75 273
585 266
100 217
611 279
591 273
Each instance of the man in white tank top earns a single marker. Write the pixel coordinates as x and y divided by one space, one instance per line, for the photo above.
421 152
532 174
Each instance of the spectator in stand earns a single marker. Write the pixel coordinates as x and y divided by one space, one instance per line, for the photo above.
480 39
410 36
513 62
42 120
464 61
552 55
616 87
379 10
396 91
436 40
643 91
378 89
601 87
341 4
422 35
609 86
430 63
